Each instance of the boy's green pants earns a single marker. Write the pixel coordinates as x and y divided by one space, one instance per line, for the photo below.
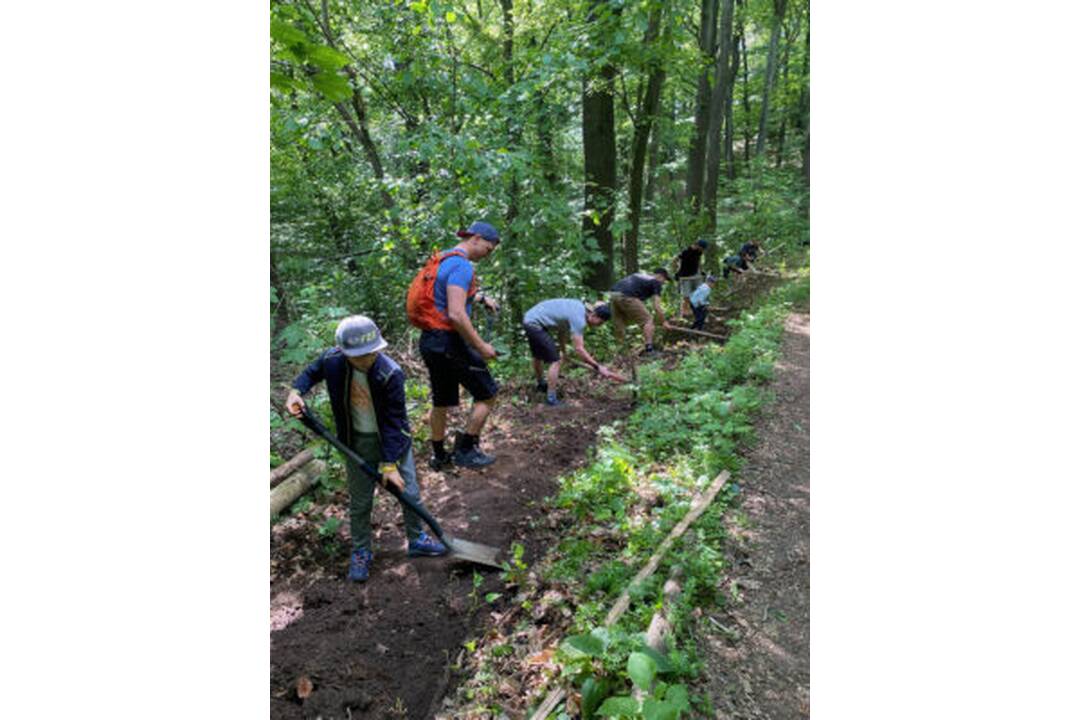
362 490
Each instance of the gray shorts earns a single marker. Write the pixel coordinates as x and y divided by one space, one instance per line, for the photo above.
687 285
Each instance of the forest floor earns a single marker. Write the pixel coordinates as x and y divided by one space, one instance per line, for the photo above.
384 648
757 649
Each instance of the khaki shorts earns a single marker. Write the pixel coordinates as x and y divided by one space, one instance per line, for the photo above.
687 285
627 311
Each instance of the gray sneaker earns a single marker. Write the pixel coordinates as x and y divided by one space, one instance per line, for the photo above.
472 458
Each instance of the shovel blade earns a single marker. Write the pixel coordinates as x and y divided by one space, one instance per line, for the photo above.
474 552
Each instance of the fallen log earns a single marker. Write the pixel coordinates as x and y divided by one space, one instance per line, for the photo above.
278 474
294 486
698 507
554 697
691 331
661 627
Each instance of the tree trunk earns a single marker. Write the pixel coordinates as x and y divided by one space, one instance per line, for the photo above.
358 125
779 6
513 143
716 115
729 111
598 139
745 101
695 161
653 161
646 113
804 108
789 41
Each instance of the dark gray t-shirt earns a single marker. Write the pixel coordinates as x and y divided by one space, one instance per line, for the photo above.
639 285
562 314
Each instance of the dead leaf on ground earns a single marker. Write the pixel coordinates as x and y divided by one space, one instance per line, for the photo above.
304 687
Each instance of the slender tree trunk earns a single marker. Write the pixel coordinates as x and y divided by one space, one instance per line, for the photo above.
779 7
785 110
729 110
545 136
654 161
513 140
647 108
745 101
695 161
716 115
358 125
598 139
804 108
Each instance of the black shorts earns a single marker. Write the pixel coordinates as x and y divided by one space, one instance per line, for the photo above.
452 362
541 344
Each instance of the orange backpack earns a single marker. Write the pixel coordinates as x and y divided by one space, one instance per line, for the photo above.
420 302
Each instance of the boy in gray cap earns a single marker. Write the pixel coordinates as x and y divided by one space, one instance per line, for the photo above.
367 395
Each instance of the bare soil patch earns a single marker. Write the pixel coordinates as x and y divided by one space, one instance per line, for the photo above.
382 649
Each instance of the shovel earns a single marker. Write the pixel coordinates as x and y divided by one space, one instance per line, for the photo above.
459 549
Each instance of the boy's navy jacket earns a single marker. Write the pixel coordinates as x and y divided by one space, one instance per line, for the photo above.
387 383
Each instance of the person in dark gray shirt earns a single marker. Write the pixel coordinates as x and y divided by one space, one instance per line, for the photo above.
628 298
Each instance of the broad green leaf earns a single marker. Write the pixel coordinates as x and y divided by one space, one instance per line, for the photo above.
327 57
678 697
642 669
593 691
654 709
451 16
583 645
333 86
663 665
280 81
286 34
618 705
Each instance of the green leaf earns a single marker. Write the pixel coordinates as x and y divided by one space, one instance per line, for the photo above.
333 86
451 16
678 697
286 34
282 82
663 665
492 597
642 669
618 705
593 691
654 709
327 57
587 645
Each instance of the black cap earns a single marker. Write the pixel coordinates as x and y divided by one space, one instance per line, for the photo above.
661 271
602 311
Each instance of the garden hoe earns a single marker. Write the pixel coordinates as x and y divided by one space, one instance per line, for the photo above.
459 549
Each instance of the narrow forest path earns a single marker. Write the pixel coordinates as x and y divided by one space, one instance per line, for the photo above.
758 649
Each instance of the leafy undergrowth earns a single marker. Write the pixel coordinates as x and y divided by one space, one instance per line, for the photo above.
607 520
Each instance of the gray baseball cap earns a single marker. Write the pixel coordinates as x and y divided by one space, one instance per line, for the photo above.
358 335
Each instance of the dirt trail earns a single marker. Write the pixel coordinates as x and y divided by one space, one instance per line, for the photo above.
758 649
382 649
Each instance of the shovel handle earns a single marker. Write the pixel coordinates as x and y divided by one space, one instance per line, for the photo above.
313 424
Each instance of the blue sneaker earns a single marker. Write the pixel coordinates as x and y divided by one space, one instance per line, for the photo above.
426 546
472 458
552 401
359 564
